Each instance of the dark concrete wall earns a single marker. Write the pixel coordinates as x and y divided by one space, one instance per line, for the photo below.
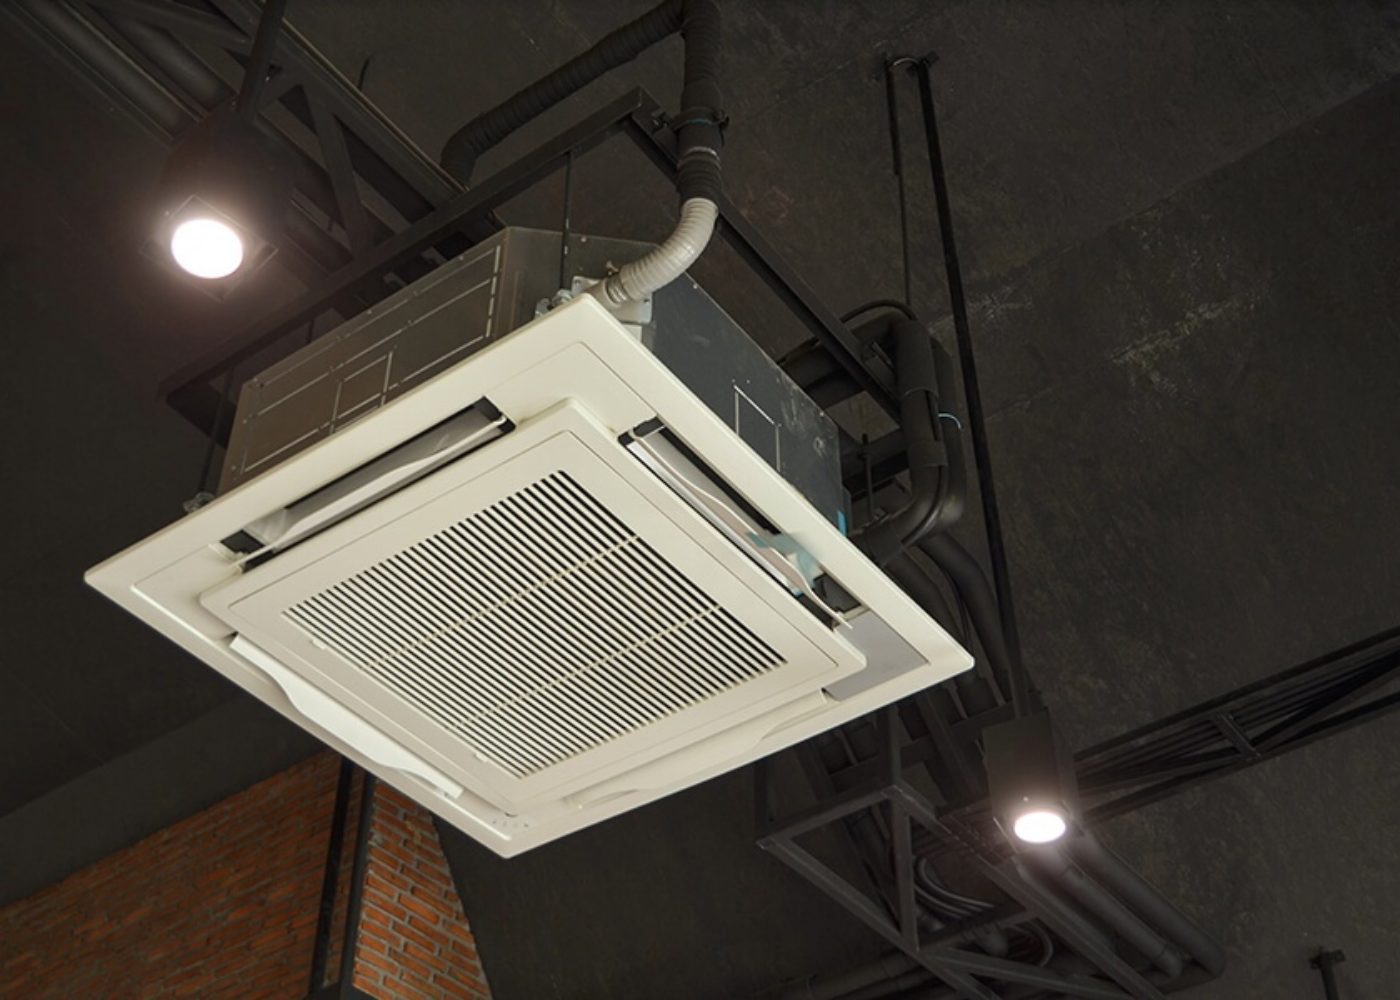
1195 424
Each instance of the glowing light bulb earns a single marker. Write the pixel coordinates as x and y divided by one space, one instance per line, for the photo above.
207 248
1040 826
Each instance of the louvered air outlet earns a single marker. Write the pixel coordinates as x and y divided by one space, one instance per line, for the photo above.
537 629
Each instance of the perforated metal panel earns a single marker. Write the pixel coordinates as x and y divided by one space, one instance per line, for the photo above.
536 629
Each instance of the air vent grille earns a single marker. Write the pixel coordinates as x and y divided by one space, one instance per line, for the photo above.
536 629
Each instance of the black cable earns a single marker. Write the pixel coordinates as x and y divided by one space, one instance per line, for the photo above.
871 306
1032 935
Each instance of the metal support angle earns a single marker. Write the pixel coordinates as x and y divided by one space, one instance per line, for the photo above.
959 969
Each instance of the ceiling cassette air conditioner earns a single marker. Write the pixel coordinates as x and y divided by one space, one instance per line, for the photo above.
546 586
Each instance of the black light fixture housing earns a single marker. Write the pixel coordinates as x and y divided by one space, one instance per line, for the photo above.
222 201
1030 778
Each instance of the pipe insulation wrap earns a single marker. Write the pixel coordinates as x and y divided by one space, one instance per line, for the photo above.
659 267
616 49
698 126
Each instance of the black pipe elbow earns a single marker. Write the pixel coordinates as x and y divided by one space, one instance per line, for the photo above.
700 121
936 476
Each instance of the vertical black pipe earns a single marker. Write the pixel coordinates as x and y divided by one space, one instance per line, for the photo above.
357 882
335 849
972 392
1325 963
567 221
260 59
897 156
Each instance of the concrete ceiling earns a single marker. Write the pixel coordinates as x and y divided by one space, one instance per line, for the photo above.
1179 225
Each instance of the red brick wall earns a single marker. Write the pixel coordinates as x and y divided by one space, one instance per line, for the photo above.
221 905
415 942
224 905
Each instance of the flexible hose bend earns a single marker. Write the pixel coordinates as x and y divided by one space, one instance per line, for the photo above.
698 133
616 49
659 267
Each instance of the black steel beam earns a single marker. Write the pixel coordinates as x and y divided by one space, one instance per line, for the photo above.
1330 726
1021 885
1309 716
1357 654
363 827
1259 721
330 877
972 393
350 209
295 55
807 865
955 967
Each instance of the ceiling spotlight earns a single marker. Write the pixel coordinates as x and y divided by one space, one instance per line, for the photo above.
222 200
1030 778
207 248
1040 826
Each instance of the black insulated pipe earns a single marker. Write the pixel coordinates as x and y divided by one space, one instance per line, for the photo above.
936 478
981 604
1108 908
973 689
1147 902
700 119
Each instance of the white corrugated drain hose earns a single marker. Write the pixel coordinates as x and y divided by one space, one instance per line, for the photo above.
654 270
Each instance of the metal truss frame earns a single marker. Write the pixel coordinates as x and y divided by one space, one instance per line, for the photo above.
891 910
1257 722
